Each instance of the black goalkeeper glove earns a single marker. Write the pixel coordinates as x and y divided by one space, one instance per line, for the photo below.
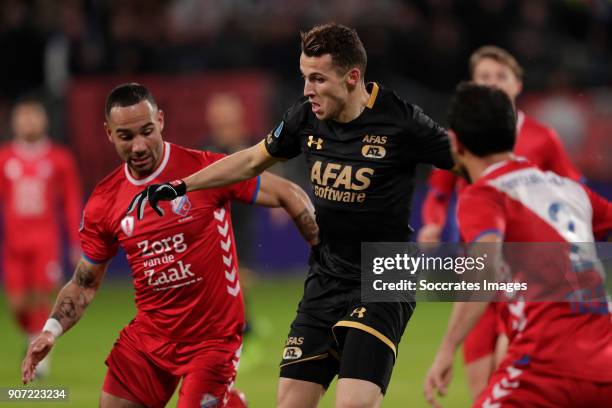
155 193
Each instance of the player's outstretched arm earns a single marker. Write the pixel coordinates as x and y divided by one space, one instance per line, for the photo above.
69 306
275 191
439 376
463 318
236 167
232 169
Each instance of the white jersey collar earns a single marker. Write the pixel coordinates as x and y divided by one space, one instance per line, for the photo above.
495 166
152 176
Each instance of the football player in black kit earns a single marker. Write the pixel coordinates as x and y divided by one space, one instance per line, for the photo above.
362 144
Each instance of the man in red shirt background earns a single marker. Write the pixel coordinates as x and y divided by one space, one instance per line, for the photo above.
559 353
39 180
492 66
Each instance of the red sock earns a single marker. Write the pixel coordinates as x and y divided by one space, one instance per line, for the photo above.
23 321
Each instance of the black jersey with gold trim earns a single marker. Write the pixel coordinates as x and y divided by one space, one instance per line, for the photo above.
362 172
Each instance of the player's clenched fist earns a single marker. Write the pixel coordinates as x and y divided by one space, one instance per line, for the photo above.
155 193
37 350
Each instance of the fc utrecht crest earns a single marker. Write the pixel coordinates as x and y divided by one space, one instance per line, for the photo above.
181 206
127 225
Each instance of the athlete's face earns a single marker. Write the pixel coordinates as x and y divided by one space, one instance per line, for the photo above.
29 122
489 72
327 89
136 133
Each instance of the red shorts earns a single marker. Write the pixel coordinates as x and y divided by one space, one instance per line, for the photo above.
482 338
520 387
146 369
32 269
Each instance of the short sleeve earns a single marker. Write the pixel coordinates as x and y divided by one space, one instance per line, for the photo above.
479 212
602 215
283 141
98 244
429 142
441 186
442 182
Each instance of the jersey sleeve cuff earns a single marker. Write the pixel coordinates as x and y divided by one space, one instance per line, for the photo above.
439 194
92 260
272 154
256 192
487 232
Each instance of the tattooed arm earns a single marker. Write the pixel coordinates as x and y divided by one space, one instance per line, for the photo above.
276 191
69 306
78 293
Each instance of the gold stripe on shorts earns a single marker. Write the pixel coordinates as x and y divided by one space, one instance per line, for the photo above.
368 329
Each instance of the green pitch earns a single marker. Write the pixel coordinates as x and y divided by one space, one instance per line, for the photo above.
78 358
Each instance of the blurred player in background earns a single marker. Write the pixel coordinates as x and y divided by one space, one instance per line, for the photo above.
362 144
559 355
492 66
227 131
190 314
227 134
39 181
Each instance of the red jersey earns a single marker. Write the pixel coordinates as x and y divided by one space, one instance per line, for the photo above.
184 265
525 204
536 142
38 181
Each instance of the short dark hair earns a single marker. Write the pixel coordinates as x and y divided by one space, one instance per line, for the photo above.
30 99
341 42
483 119
128 94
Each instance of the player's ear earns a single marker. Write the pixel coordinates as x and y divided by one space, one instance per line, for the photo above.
519 87
160 119
353 77
108 131
455 144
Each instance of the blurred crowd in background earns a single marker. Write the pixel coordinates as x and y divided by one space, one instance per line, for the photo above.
67 51
560 42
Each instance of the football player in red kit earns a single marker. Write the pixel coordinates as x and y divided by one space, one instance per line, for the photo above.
559 355
38 180
190 314
492 66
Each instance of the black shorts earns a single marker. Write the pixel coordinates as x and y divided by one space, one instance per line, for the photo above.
321 343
